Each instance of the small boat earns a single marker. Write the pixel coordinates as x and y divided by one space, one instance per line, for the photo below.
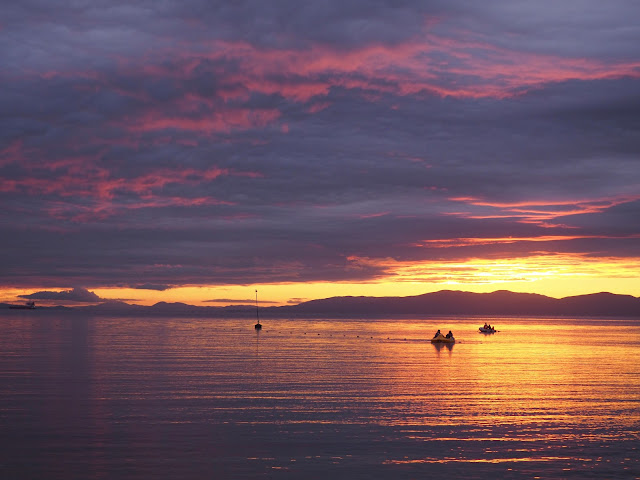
257 326
487 329
27 306
439 338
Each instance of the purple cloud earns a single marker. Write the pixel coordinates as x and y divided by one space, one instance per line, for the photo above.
77 294
200 143
152 286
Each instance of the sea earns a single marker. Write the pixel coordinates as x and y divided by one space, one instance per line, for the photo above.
205 398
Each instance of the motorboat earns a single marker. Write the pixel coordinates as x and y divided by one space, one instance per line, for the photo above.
488 329
439 338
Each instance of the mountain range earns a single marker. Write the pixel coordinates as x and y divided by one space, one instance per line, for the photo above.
444 302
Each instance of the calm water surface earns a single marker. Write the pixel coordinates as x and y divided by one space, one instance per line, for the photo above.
99 397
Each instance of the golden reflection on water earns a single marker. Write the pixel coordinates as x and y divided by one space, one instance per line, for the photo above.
484 460
560 393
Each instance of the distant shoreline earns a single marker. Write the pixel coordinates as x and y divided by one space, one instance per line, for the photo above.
444 302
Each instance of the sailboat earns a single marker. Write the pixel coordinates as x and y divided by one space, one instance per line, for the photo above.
258 326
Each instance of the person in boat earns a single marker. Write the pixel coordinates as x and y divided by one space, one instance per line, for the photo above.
449 335
437 333
485 325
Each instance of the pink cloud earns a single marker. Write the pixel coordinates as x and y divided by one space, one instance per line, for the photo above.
471 241
373 215
215 121
427 64
408 68
104 192
541 212
12 153
101 209
318 107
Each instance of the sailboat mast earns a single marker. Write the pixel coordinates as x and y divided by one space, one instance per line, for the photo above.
257 325
257 313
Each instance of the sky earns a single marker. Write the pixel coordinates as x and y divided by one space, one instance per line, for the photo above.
198 151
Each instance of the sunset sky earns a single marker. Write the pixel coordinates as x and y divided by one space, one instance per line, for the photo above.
197 150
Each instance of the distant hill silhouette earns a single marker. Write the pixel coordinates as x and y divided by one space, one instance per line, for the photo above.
449 302
444 302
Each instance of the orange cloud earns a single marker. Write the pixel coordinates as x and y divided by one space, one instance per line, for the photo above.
496 271
464 242
538 211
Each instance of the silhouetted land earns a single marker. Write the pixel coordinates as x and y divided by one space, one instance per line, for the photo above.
445 302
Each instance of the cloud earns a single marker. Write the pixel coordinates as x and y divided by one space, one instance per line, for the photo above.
296 301
77 294
226 143
248 301
153 286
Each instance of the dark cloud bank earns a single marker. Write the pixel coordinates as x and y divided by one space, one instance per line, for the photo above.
215 142
77 294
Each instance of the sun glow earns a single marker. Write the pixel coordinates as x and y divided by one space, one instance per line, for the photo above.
553 275
529 272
